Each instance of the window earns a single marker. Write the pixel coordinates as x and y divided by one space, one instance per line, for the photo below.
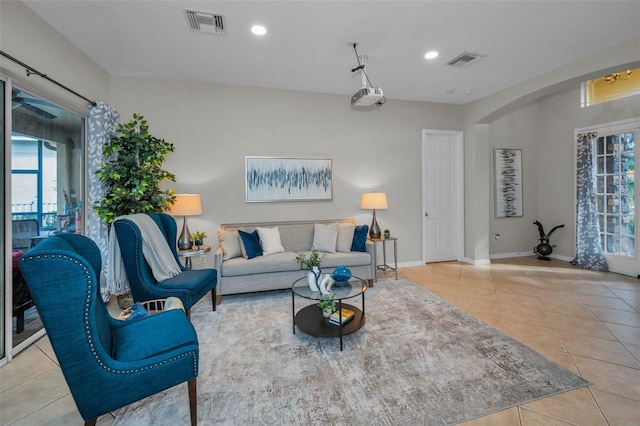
610 87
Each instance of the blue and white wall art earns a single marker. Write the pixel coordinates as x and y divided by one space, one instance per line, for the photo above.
508 182
273 179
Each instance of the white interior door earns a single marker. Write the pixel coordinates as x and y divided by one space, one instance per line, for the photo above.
443 196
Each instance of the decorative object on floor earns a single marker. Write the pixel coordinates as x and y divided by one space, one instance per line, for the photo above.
387 233
544 249
341 275
274 179
185 205
428 363
508 182
197 238
374 201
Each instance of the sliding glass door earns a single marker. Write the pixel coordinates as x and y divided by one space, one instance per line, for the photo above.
45 194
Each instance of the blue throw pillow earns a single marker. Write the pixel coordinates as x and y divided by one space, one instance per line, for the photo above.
360 238
250 244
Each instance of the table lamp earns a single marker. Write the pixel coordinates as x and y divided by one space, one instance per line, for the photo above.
374 201
185 205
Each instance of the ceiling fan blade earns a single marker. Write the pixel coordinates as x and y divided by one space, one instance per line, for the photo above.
35 101
42 113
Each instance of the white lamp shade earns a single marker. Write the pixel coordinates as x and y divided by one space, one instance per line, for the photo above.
186 205
374 201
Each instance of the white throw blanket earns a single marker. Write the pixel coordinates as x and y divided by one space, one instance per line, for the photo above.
155 249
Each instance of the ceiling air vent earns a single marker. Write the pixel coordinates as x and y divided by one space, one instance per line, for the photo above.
205 22
465 59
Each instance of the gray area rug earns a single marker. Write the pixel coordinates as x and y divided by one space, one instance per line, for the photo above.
417 360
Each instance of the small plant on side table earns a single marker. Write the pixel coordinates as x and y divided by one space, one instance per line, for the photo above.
197 238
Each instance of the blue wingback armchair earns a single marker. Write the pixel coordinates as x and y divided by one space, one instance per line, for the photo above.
189 286
107 363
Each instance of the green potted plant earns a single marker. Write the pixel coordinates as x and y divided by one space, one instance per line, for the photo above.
132 172
197 238
314 259
387 233
328 305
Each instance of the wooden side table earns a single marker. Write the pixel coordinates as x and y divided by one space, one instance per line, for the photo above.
384 266
189 253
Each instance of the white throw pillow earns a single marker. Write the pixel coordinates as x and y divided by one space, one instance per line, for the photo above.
270 241
230 243
325 236
345 237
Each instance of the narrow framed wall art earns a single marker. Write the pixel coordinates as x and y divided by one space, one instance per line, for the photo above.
507 172
279 179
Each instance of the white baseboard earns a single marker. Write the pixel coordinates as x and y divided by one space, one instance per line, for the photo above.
515 254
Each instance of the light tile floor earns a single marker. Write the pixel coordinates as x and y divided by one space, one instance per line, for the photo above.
587 321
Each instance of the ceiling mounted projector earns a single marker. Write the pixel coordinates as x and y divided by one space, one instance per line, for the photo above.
367 96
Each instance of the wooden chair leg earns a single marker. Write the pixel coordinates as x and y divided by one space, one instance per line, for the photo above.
214 298
91 422
193 401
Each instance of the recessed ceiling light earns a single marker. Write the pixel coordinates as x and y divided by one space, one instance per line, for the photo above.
468 91
431 55
258 30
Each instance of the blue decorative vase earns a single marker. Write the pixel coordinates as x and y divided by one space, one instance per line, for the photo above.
341 275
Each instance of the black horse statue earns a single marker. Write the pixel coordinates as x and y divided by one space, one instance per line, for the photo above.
544 249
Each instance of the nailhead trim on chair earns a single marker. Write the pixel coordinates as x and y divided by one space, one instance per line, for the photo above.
88 331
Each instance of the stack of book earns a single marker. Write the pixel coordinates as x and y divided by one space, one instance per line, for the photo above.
347 315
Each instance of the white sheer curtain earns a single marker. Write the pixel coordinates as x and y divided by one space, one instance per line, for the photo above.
102 122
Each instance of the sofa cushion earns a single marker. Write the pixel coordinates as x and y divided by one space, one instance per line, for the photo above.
250 244
325 236
270 241
354 258
278 262
230 243
360 238
345 237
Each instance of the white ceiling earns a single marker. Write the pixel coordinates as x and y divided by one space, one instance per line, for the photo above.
306 44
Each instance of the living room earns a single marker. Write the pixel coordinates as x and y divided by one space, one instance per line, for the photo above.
214 126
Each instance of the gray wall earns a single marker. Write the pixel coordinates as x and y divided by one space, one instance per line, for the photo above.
24 35
215 126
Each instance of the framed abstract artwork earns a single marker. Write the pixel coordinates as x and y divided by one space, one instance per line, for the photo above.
278 179
507 173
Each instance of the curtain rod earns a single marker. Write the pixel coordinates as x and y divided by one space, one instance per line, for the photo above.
31 70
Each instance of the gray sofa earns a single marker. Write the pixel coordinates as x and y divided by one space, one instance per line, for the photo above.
237 274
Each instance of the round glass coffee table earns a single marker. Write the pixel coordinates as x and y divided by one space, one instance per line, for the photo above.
310 320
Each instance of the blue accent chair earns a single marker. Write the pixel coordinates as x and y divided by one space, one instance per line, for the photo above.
190 286
107 363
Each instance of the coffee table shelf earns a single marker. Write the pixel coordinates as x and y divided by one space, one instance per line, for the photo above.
310 320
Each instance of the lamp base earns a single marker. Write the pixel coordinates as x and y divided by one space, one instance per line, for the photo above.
374 230
184 242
